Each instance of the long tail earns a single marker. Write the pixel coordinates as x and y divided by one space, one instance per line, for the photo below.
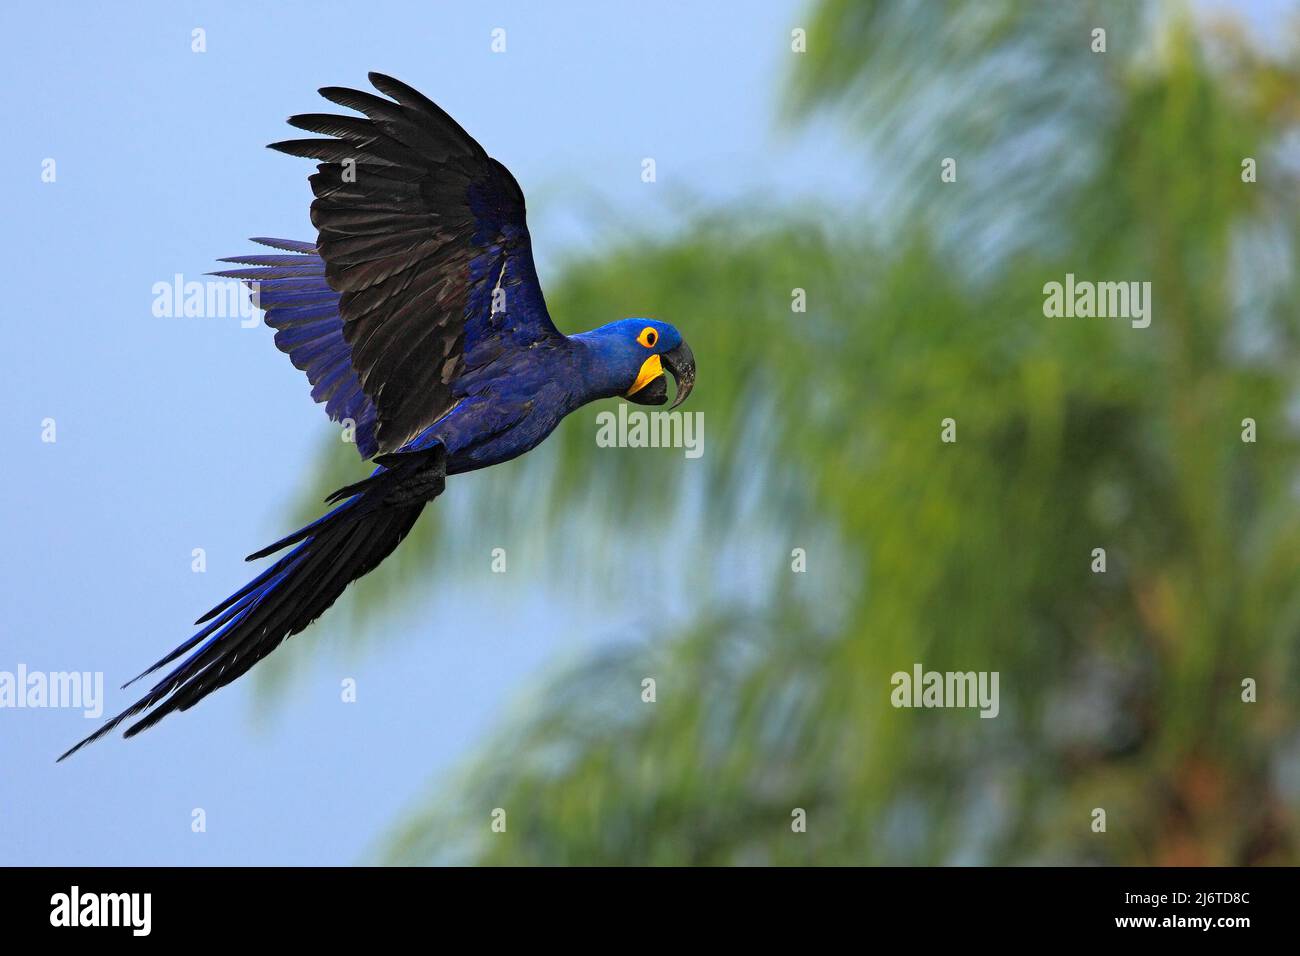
330 554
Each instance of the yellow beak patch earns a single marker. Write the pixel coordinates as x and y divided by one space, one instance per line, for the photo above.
651 369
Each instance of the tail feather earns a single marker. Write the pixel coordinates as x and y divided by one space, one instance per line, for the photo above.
346 511
345 544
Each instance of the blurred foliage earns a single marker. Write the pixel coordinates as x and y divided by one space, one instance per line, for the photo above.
1119 690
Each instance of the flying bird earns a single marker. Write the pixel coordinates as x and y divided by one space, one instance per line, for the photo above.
418 318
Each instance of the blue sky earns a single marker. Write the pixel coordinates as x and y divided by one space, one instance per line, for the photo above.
179 433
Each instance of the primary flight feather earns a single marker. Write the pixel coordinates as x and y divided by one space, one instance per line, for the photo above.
418 318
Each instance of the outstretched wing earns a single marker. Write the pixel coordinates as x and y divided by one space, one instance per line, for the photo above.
304 311
424 236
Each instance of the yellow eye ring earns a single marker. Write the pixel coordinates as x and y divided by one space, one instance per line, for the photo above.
648 337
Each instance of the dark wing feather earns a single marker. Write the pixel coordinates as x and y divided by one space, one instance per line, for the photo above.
417 226
304 311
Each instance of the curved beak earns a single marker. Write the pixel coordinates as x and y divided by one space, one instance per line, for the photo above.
681 362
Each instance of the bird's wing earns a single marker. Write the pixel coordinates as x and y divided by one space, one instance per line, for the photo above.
424 237
304 311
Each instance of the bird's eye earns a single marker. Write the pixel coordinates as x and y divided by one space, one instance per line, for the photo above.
648 337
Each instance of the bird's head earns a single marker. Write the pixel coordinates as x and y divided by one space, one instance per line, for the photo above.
636 353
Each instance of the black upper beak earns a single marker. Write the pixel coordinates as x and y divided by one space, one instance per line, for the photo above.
681 362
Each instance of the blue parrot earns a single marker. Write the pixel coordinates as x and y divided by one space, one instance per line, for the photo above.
418 319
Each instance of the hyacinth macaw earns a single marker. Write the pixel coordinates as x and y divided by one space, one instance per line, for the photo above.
418 318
